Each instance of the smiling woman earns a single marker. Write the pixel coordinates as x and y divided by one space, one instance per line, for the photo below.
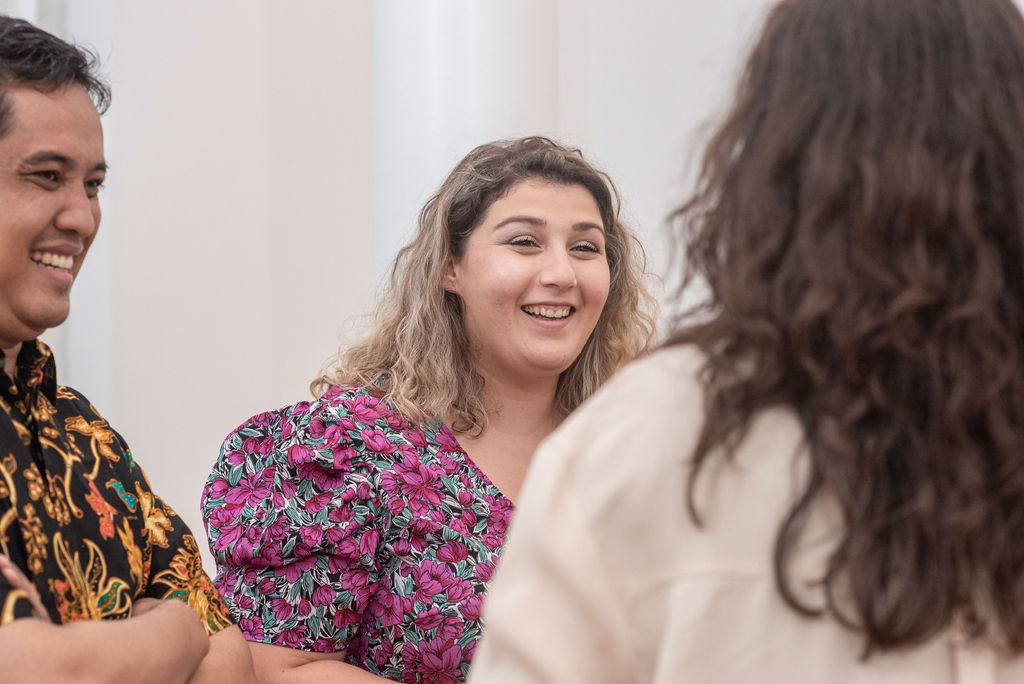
357 533
533 280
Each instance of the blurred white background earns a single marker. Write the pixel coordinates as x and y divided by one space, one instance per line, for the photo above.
267 159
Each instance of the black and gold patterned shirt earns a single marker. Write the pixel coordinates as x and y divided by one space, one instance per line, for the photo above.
77 514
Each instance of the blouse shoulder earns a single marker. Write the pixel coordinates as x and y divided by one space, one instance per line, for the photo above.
651 392
304 466
329 431
640 424
296 492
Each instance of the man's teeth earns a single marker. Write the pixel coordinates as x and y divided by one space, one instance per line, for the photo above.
548 311
55 260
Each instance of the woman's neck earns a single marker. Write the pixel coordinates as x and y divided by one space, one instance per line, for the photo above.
519 417
521 408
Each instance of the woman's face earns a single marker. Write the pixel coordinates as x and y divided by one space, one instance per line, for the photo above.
533 280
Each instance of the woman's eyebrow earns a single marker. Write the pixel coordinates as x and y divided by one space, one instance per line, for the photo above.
535 221
532 220
587 225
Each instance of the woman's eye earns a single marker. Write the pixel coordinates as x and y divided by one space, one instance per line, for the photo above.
523 242
588 247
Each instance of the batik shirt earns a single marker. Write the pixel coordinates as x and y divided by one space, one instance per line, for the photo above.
338 525
77 514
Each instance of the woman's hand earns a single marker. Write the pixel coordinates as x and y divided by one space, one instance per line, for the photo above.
282 665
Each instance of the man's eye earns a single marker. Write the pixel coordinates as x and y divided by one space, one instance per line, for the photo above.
50 176
92 188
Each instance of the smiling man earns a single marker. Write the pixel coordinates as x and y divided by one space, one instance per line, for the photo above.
99 579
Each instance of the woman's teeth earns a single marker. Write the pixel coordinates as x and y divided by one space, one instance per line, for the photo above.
548 311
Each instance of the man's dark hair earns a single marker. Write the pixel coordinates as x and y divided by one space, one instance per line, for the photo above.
29 56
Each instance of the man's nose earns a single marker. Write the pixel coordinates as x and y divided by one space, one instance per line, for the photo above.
80 213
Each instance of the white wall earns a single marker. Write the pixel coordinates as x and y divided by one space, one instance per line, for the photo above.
639 82
268 158
241 220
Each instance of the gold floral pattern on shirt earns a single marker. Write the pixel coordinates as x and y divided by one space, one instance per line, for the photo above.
49 491
60 485
185 580
86 593
43 411
104 534
35 540
7 612
8 466
99 434
158 523
138 568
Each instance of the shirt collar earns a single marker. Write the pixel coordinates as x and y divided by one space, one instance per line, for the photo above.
37 370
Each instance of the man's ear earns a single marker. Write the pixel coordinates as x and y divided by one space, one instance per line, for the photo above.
448 280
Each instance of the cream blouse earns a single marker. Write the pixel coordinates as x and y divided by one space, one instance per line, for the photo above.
605 578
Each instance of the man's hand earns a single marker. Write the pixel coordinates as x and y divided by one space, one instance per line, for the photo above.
175 618
144 605
13 574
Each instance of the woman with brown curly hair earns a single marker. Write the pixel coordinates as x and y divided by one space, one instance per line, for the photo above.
355 534
825 473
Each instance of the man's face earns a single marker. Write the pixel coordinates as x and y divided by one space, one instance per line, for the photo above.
51 169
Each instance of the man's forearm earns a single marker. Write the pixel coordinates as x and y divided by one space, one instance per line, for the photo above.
163 645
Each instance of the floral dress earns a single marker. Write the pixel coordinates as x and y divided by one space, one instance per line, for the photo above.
338 525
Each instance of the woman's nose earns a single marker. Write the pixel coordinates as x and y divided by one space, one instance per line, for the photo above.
558 270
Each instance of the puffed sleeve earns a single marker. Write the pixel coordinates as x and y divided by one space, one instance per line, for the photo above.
293 518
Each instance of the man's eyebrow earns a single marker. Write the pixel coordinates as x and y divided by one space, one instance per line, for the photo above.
50 156
534 221
45 156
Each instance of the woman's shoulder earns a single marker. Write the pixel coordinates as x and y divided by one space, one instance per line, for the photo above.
348 405
639 424
651 388
339 425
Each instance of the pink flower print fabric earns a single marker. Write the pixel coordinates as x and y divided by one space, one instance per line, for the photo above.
338 525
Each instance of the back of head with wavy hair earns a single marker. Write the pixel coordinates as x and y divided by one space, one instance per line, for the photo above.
417 352
858 224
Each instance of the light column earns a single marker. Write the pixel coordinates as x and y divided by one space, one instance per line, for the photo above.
449 75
